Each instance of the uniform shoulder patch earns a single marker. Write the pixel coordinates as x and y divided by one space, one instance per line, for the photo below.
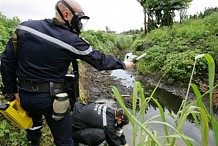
84 40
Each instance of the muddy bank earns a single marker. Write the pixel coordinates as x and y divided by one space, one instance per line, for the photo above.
98 85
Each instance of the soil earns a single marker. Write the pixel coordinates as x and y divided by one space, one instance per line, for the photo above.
98 84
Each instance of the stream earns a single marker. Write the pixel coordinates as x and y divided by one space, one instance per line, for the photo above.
170 103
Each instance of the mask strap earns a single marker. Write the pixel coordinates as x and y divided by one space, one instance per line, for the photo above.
122 116
59 12
68 6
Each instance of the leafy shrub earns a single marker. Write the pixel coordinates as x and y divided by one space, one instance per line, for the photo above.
107 42
7 26
123 42
179 66
10 135
154 60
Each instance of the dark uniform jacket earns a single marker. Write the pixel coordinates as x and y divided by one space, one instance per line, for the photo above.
45 50
97 116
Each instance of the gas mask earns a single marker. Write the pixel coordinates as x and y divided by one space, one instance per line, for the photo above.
124 118
123 123
78 21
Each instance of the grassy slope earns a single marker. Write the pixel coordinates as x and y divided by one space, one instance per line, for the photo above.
171 51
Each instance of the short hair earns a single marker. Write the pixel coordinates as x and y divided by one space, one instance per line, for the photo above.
121 114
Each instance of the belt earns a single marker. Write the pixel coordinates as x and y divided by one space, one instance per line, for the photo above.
37 86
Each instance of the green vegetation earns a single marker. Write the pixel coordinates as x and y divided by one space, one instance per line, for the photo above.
7 27
171 55
171 51
203 118
109 43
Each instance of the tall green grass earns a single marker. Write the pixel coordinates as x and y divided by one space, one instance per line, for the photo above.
202 117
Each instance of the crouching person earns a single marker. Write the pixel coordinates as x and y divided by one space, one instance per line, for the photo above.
94 123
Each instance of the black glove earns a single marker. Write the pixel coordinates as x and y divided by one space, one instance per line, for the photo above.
10 97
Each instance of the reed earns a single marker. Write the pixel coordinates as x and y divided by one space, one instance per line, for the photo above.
202 117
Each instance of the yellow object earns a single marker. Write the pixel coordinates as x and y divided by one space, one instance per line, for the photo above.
17 115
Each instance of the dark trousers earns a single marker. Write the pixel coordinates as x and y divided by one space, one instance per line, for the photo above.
89 136
38 104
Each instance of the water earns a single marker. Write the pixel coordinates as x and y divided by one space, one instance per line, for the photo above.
170 103
124 76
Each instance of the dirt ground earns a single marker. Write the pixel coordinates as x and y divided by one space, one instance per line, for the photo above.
97 84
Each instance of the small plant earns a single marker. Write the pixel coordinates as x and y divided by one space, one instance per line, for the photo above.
11 135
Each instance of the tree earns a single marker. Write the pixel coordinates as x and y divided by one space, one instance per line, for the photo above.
158 13
107 29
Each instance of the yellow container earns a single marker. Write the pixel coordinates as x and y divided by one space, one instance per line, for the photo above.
17 115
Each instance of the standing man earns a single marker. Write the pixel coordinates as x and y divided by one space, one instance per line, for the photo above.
35 72
94 123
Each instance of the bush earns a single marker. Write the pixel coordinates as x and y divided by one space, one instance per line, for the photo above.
107 42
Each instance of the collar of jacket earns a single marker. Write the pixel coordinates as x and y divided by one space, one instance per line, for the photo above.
56 23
